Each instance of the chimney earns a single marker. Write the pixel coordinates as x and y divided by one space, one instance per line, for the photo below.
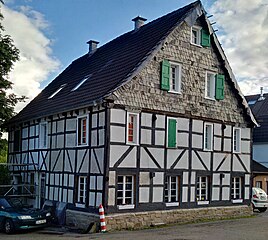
261 95
92 45
138 22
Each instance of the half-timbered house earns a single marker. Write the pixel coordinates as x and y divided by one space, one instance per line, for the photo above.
152 120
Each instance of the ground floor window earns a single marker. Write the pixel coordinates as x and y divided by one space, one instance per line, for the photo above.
202 190
236 188
125 190
81 196
172 189
259 184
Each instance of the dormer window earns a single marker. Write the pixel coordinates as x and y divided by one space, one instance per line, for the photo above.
57 91
80 83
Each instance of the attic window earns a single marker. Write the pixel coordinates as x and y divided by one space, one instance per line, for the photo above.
79 84
57 91
252 102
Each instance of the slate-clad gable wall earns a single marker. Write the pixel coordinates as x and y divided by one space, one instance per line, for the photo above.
144 90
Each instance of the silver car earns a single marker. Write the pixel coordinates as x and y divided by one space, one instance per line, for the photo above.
259 199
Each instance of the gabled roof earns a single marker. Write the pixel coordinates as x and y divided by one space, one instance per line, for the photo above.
260 110
258 168
112 65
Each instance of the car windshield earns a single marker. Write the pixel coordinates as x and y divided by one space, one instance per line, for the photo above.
4 203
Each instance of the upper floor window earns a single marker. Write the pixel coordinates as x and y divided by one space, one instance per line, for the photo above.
172 189
125 190
210 85
82 130
214 86
237 140
17 140
171 76
208 136
172 132
236 188
133 128
200 36
43 135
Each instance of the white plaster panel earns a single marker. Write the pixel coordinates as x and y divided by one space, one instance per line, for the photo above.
118 116
101 137
116 152
206 156
65 180
225 193
71 140
196 163
183 139
53 140
192 199
183 124
130 160
215 194
226 166
64 195
91 199
226 179
24 145
237 165
99 157
198 126
217 129
216 179
59 196
51 193
46 192
32 131
92 183
172 155
71 180
54 127
59 163
146 119
117 134
98 199
60 141
146 136
158 194
71 124
217 143
159 178
56 193
183 162
197 141
70 196
160 121
144 194
57 179
67 166
228 131
245 146
147 162
35 158
112 178
111 198
245 133
193 177
94 120
31 144
185 194
160 138
25 132
80 154
247 179
94 135
144 178
60 126
247 193
185 177
227 145
101 119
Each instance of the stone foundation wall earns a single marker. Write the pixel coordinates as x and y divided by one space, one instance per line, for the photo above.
146 219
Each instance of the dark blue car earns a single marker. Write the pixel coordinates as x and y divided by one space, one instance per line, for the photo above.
16 216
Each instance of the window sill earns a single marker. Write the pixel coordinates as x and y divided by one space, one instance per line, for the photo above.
236 151
210 98
172 204
207 150
80 205
202 202
132 144
175 92
237 200
82 145
197 45
122 207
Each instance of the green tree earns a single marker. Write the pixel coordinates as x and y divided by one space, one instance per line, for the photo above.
9 54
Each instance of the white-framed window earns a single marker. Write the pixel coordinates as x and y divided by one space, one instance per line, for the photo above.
172 132
237 140
175 77
236 188
82 130
196 35
210 85
81 191
125 190
208 136
43 135
132 128
172 189
202 190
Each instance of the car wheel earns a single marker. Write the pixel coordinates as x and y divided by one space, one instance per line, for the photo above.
9 226
263 209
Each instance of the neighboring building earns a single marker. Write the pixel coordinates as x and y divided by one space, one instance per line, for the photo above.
260 176
153 120
259 106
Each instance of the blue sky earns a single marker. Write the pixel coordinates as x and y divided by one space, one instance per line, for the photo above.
52 33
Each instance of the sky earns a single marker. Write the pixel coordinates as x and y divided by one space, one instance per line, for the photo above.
50 34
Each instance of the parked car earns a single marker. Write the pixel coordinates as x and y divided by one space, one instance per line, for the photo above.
16 216
259 199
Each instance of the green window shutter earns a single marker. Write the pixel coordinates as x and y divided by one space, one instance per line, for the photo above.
172 134
165 73
220 86
205 38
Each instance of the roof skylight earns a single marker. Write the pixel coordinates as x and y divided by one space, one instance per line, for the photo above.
79 84
251 102
57 91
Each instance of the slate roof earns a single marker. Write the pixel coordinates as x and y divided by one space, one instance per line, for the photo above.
108 67
260 111
258 168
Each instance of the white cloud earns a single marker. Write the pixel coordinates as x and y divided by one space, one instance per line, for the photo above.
26 27
243 33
